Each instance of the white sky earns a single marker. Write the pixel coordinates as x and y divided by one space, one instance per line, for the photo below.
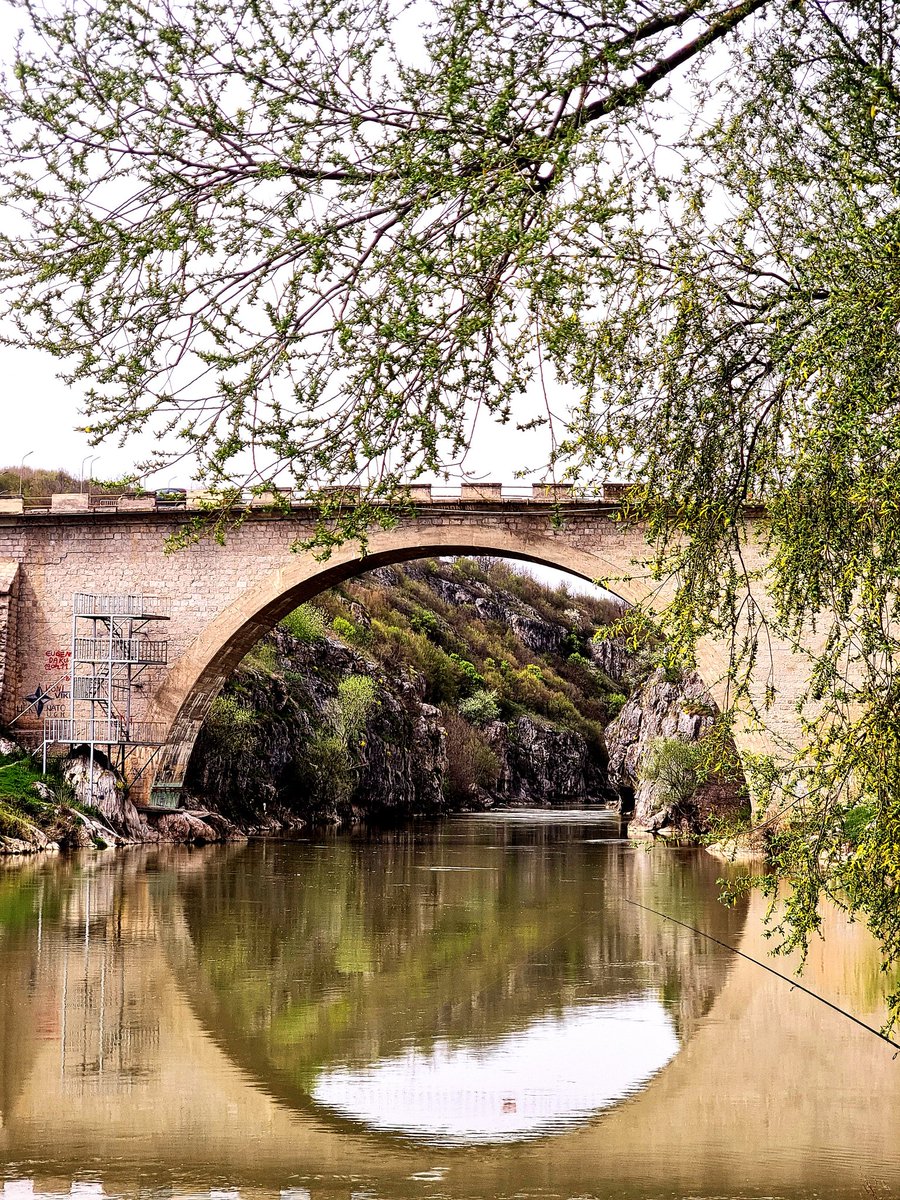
557 1071
39 416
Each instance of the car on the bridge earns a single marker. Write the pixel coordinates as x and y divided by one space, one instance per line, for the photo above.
171 497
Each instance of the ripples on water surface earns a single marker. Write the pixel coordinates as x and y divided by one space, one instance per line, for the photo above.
464 1010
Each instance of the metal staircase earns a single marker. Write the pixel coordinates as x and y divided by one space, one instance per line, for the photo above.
112 648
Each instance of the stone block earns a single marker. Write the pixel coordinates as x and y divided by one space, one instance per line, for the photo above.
11 504
70 502
481 491
137 504
418 493
343 493
551 492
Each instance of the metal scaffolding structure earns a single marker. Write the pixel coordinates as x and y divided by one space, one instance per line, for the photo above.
112 648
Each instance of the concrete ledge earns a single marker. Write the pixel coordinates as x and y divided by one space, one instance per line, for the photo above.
70 502
136 504
481 491
12 504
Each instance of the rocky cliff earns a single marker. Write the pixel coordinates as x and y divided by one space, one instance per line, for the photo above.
656 766
473 685
478 687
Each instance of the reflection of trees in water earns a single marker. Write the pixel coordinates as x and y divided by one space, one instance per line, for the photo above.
306 956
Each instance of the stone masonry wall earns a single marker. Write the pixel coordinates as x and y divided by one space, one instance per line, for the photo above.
9 577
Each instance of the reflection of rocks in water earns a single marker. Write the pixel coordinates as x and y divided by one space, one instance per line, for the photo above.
303 958
209 1108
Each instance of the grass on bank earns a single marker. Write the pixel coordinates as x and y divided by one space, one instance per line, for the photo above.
20 806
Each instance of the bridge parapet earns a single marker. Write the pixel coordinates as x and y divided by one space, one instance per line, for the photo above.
63 504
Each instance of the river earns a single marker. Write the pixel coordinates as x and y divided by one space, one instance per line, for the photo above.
485 1007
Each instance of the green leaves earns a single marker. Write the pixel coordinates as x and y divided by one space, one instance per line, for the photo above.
281 228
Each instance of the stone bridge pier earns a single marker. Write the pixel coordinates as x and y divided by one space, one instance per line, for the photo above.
223 598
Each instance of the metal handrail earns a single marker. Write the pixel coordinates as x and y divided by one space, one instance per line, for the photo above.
107 731
139 651
420 493
88 604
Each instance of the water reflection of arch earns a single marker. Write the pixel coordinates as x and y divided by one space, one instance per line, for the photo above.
771 1087
481 950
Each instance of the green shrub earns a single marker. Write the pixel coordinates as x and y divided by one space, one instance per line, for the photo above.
470 568
470 677
348 711
674 769
346 629
480 708
329 764
857 822
306 623
231 723
561 709
263 657
578 660
471 763
12 822
615 702
327 769
423 620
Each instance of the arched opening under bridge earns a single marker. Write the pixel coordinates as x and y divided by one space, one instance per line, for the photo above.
196 678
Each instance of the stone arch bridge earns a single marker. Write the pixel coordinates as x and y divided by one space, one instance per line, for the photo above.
222 598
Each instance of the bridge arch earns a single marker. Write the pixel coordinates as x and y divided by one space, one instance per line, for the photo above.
196 678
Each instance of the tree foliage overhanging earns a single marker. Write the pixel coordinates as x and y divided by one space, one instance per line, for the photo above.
337 231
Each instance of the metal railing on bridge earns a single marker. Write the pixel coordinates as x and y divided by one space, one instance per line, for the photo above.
179 499
139 607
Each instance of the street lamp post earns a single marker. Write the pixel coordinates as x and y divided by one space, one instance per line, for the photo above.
22 468
93 458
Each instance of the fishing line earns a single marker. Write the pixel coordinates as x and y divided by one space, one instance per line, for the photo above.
791 982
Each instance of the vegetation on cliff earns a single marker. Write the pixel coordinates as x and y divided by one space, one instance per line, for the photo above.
485 676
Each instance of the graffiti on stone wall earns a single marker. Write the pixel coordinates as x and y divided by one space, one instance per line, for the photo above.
57 660
46 697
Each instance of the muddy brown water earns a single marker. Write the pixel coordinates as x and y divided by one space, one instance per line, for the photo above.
467 1009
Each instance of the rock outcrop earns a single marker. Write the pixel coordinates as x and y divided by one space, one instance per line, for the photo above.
666 710
396 765
428 637
103 791
547 767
